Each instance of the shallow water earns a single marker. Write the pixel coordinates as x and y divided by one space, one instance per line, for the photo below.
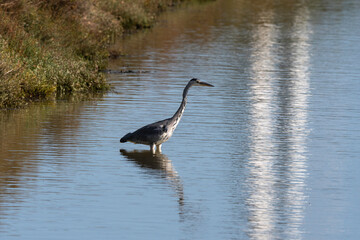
271 152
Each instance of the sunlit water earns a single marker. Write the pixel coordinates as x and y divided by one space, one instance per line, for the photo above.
272 152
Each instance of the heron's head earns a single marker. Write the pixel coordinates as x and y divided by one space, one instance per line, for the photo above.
197 82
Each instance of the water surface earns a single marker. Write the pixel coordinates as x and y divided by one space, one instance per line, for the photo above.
271 152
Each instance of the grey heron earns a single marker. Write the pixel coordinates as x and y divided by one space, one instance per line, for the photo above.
157 133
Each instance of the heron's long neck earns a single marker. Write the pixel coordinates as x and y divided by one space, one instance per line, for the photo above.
177 116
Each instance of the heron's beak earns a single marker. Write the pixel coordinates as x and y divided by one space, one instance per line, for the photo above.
205 84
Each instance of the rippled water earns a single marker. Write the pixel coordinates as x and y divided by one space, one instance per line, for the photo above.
272 152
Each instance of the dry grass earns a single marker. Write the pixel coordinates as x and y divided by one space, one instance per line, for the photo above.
55 47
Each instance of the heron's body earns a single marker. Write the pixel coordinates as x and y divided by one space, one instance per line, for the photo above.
155 134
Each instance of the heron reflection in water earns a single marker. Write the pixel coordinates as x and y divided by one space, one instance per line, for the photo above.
159 132
158 161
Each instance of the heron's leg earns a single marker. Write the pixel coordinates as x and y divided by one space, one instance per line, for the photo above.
158 148
152 148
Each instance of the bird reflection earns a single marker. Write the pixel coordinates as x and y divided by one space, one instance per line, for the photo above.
160 162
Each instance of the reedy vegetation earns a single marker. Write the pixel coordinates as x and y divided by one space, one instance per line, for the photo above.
51 48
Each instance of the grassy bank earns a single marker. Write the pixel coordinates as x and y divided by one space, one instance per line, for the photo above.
51 48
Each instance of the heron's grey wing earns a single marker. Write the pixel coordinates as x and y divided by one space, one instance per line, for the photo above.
150 133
